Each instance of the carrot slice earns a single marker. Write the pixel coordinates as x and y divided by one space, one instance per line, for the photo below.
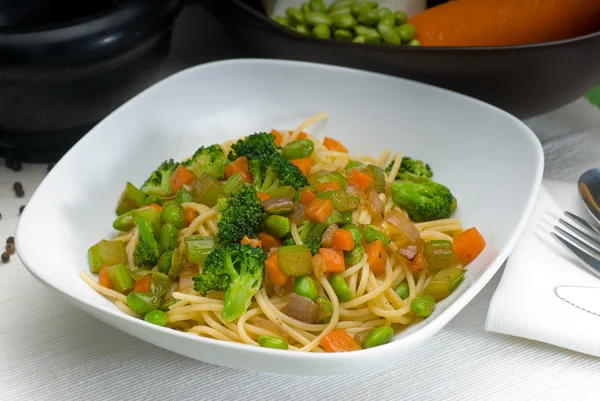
180 177
359 179
155 206
263 196
274 273
306 196
468 245
376 256
319 210
247 176
103 279
143 284
334 145
190 214
339 341
256 243
343 239
417 263
239 165
269 241
278 137
303 164
327 186
334 260
302 135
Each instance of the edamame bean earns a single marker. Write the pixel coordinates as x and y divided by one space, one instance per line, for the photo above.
388 19
317 5
314 18
340 4
169 237
344 21
389 34
354 256
374 38
282 20
321 31
173 213
403 290
339 11
295 16
305 8
272 342
278 226
406 32
401 17
302 29
124 222
183 195
340 287
364 30
370 4
355 231
343 34
298 149
423 305
414 42
157 317
384 11
371 233
305 286
378 336
368 17
359 39
358 9
153 199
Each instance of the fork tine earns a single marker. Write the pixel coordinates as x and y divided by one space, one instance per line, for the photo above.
582 223
590 262
594 241
578 242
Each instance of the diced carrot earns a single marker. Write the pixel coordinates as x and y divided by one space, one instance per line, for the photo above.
263 196
302 135
307 195
376 256
190 214
237 166
339 341
256 243
247 176
143 284
334 145
103 279
274 273
334 260
319 210
180 177
468 245
304 165
343 239
269 241
417 263
359 179
155 206
328 186
278 137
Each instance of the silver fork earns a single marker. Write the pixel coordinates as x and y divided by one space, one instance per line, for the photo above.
581 239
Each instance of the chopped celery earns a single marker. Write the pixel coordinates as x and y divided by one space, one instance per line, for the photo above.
143 302
119 277
198 247
106 253
353 165
151 215
444 282
378 177
124 222
295 260
286 192
169 237
371 233
234 183
326 176
342 201
339 218
206 190
176 266
439 254
138 274
131 198
160 283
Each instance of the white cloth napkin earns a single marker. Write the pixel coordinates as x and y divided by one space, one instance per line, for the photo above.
524 303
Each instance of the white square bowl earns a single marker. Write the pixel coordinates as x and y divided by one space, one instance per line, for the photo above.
490 160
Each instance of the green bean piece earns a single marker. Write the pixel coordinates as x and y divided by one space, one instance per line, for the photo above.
138 274
131 198
183 196
370 4
388 19
423 305
344 21
295 16
298 149
169 237
389 34
106 253
305 286
164 262
167 303
124 222
378 336
305 8
359 39
157 317
302 29
272 342
339 11
119 277
384 11
154 200
368 17
416 42
341 288
176 266
401 17
173 213
403 290
206 190
371 233
313 19
340 4
325 309
342 200
343 34
198 247
283 20
354 256
406 32
295 260
142 302
278 226
317 5
160 284
288 192
233 184
444 282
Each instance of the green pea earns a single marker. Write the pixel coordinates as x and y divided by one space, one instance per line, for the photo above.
340 4
378 336
142 302
183 196
317 5
388 19
339 11
406 32
359 39
157 317
368 17
384 11
173 213
314 18
389 34
344 21
305 8
153 199
423 305
403 290
169 237
302 29
414 42
283 20
279 226
295 16
272 342
305 286
354 256
343 34
298 149
358 9
401 17
370 4
340 287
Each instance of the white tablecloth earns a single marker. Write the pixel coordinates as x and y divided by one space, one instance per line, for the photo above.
49 350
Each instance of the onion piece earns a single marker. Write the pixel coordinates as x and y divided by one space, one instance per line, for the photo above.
319 265
186 278
404 232
360 336
301 308
285 289
327 237
374 205
355 190
298 217
266 324
278 206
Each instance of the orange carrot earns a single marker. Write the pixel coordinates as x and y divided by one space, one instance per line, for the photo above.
143 284
103 279
319 210
304 165
302 135
237 166
505 22
278 137
190 214
247 176
155 206
180 177
417 263
306 196
269 241
327 186
334 260
376 256
343 239
274 273
256 243
334 145
468 245
339 341
263 196
359 179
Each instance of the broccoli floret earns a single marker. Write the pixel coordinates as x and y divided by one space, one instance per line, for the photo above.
158 182
263 178
236 269
412 166
209 160
241 217
288 173
260 146
422 198
288 241
310 234
147 250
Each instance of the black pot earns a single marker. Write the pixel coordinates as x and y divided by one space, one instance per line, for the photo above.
58 77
